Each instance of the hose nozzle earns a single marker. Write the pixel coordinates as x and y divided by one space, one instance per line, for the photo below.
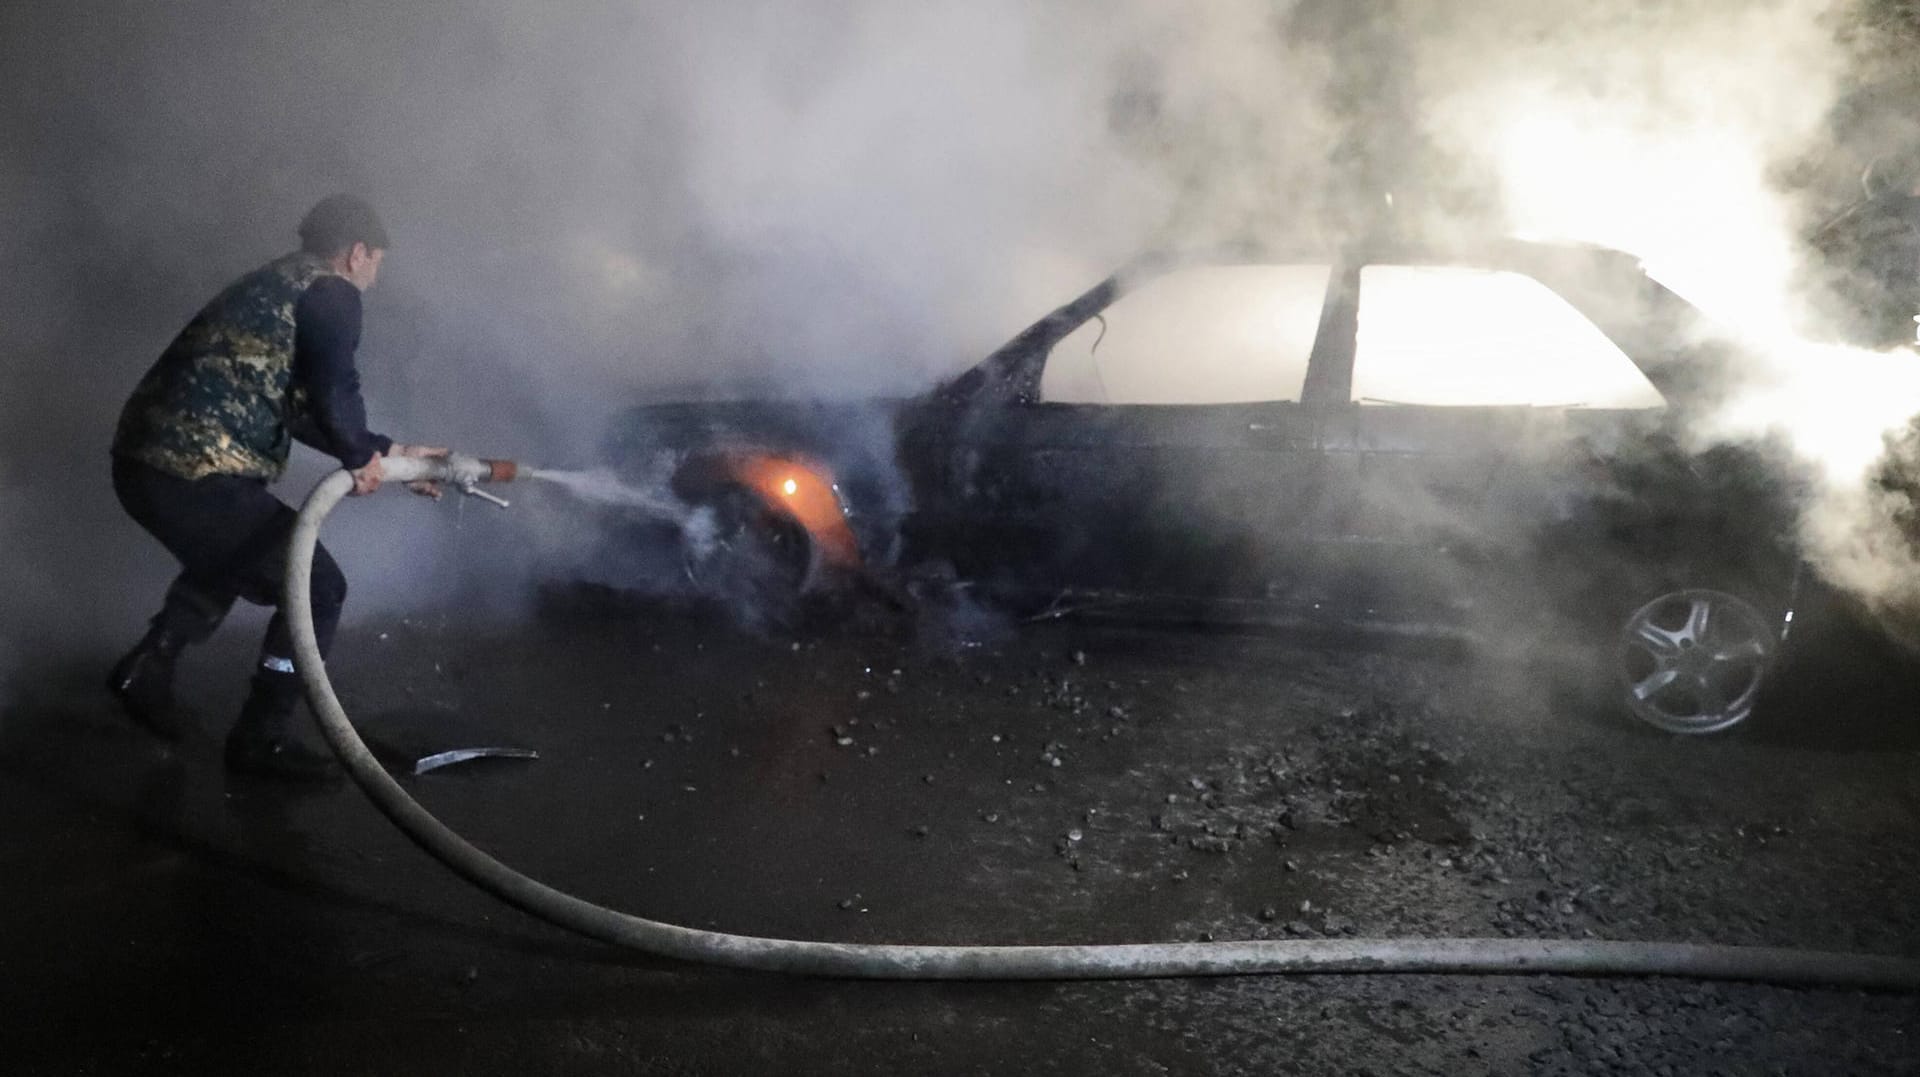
468 472
464 473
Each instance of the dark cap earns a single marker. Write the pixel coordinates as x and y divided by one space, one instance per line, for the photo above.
339 221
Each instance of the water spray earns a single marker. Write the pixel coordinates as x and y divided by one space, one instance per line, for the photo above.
1509 957
466 473
602 486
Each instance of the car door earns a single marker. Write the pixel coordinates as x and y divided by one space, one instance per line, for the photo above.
1166 452
1468 387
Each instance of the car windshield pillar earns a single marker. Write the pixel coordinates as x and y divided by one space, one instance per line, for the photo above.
1330 371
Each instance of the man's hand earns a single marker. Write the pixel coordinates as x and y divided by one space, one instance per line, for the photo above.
367 477
424 489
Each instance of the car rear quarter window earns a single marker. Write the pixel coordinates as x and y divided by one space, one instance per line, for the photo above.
1452 336
1207 335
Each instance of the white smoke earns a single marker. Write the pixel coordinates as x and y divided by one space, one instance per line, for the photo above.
592 204
1663 130
596 202
1653 129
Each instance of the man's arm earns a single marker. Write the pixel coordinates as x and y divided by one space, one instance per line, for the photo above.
326 333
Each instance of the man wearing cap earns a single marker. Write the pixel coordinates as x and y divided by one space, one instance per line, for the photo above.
268 360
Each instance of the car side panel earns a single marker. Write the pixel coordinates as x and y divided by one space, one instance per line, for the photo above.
1145 499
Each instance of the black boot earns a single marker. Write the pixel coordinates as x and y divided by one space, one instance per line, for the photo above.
143 683
263 742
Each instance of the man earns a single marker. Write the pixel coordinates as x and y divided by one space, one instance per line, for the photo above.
268 360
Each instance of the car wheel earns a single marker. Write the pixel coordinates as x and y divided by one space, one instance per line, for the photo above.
1693 660
748 559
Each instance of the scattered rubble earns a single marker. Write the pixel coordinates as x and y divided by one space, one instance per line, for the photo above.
1321 794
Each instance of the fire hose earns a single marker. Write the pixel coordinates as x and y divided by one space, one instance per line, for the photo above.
1484 956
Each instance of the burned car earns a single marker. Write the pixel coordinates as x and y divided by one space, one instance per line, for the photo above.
1486 444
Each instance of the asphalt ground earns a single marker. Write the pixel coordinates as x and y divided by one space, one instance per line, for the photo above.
1043 783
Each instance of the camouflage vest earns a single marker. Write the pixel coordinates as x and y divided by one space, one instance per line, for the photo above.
220 398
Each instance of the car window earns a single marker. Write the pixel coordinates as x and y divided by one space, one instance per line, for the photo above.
1208 335
1446 335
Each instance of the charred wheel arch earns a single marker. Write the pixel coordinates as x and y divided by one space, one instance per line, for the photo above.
779 523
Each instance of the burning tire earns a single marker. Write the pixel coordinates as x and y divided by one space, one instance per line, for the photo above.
753 562
1693 660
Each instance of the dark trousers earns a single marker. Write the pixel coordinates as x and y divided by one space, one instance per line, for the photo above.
230 536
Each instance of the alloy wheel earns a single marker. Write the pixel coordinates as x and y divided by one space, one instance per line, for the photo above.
1692 661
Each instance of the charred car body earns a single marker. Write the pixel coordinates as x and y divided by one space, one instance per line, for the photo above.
1488 443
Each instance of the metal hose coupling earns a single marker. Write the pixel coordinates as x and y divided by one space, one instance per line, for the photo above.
467 470
464 473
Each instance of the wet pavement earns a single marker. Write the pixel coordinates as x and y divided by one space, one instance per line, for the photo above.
1056 783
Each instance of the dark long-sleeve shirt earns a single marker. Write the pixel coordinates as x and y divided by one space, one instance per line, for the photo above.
326 334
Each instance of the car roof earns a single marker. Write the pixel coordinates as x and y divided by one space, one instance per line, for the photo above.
1652 324
1479 251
